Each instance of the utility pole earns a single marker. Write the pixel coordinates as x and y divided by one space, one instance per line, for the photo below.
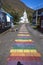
36 16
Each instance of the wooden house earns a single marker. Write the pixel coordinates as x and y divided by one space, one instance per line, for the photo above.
38 18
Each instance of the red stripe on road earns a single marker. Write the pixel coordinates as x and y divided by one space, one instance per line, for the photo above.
27 58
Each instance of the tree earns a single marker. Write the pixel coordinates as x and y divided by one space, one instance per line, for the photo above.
16 16
1 4
30 18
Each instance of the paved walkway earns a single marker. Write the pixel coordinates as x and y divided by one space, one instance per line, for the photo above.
38 37
24 50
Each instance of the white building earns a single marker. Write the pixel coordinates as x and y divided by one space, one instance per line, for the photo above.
24 18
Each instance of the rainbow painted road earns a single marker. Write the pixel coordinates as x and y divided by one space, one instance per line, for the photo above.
24 50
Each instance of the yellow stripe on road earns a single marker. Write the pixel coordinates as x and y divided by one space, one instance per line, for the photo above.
23 35
24 40
25 54
24 32
22 50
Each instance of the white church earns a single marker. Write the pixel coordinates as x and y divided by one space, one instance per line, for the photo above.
24 18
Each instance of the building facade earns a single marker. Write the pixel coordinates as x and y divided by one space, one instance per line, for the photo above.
38 18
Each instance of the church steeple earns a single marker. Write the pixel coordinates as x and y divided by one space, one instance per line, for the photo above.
24 18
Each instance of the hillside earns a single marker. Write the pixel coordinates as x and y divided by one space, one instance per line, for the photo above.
12 6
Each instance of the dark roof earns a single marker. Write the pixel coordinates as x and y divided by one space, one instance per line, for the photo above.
2 10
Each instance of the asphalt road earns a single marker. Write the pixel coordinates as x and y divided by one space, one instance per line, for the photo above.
7 40
37 36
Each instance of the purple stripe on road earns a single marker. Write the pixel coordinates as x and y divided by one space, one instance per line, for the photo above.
25 63
24 37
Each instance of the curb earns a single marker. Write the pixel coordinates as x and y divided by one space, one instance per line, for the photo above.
5 32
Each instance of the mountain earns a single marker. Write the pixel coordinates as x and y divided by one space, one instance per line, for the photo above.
16 5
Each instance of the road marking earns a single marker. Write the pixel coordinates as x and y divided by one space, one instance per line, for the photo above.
29 59
24 53
22 50
23 35
23 32
24 40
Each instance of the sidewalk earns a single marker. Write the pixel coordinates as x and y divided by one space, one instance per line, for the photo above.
38 37
39 34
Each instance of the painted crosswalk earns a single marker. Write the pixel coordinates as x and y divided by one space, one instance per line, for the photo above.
24 50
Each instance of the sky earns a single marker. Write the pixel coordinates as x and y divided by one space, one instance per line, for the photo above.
34 4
